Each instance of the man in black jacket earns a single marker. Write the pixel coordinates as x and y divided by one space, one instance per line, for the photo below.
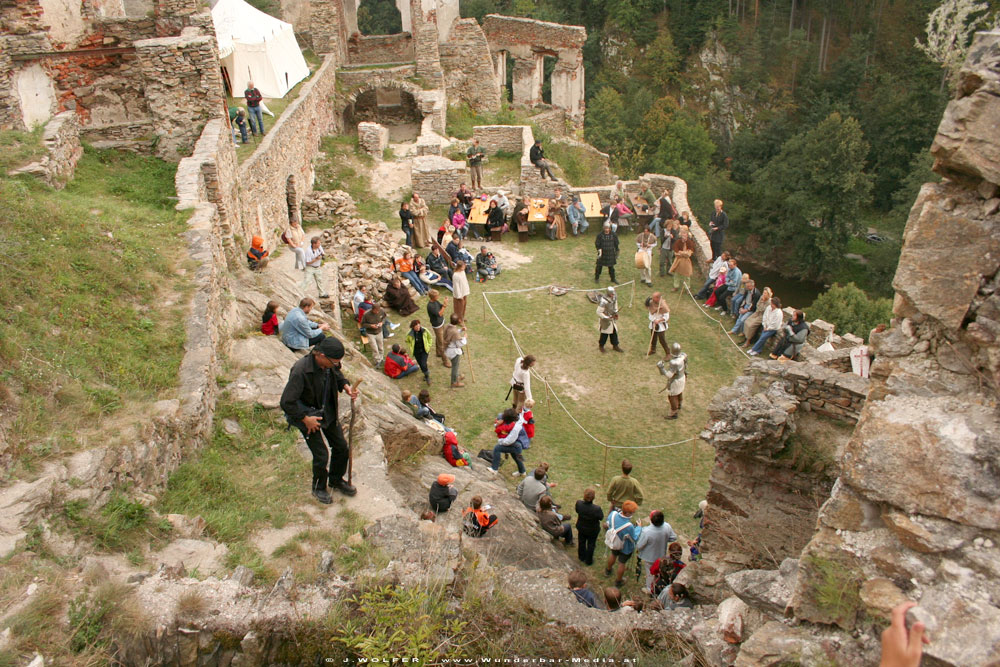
717 228
588 526
537 157
406 217
309 402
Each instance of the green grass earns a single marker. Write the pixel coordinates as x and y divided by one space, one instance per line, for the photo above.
615 396
461 119
93 303
580 167
19 148
241 483
345 167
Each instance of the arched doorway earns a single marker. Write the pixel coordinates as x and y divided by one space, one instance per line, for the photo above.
391 107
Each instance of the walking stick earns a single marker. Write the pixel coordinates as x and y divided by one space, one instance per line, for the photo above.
652 335
350 437
472 369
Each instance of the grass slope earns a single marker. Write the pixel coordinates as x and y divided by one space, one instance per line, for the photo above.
615 396
93 306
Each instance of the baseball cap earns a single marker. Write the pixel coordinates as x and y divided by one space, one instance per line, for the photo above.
330 347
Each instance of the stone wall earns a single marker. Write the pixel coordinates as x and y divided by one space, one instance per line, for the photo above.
820 389
286 152
373 139
774 464
183 88
61 141
557 122
437 178
527 42
508 138
916 511
468 68
380 49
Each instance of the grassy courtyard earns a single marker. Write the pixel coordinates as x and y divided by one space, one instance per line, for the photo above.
614 396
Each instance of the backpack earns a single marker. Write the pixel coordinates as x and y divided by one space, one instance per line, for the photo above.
613 538
486 455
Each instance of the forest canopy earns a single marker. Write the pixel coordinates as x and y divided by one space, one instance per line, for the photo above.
810 118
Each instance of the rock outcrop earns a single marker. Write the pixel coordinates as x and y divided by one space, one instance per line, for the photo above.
914 512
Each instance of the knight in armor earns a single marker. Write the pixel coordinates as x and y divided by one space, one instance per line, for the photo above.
675 370
607 313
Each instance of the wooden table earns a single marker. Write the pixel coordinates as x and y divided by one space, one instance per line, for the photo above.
538 210
593 204
477 216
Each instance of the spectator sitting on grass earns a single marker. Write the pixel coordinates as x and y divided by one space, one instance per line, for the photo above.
398 365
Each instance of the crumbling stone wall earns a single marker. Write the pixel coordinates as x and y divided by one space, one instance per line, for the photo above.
916 511
508 138
287 150
379 49
183 87
468 68
61 140
437 178
820 389
528 42
774 463
373 139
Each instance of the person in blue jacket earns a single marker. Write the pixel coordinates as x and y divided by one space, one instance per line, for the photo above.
625 536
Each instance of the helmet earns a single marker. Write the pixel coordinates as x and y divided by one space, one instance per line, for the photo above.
611 290
675 349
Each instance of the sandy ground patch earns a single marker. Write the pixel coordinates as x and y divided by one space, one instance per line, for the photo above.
391 179
508 255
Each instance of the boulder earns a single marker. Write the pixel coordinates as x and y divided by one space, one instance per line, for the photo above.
946 445
201 555
966 145
732 619
767 590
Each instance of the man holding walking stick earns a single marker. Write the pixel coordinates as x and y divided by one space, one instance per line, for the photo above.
309 402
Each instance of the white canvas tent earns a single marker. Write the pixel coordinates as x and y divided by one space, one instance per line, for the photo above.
254 46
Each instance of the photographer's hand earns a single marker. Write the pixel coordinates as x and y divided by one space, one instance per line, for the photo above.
312 424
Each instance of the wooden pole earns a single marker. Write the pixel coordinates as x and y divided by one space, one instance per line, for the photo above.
484 309
468 347
604 474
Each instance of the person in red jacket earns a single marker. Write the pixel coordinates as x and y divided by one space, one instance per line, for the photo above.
269 325
454 454
398 364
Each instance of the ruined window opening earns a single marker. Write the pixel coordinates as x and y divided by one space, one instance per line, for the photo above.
379 17
548 67
391 107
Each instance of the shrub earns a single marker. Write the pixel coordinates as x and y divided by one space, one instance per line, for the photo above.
851 310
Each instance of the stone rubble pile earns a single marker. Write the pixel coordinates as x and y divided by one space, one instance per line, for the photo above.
320 206
367 250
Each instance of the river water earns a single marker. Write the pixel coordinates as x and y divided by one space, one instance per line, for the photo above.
795 293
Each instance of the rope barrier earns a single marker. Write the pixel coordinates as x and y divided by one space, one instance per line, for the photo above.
719 322
549 386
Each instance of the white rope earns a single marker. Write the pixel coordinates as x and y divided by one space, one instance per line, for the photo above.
568 289
719 322
548 384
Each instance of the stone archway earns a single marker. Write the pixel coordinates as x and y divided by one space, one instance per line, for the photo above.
397 104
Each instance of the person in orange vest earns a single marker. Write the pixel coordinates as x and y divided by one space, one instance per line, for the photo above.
475 520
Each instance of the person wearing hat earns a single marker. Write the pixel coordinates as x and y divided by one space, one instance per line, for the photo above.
607 252
442 493
607 313
309 402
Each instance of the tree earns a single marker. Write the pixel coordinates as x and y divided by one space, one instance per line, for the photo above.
810 194
605 129
850 310
949 33
379 17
